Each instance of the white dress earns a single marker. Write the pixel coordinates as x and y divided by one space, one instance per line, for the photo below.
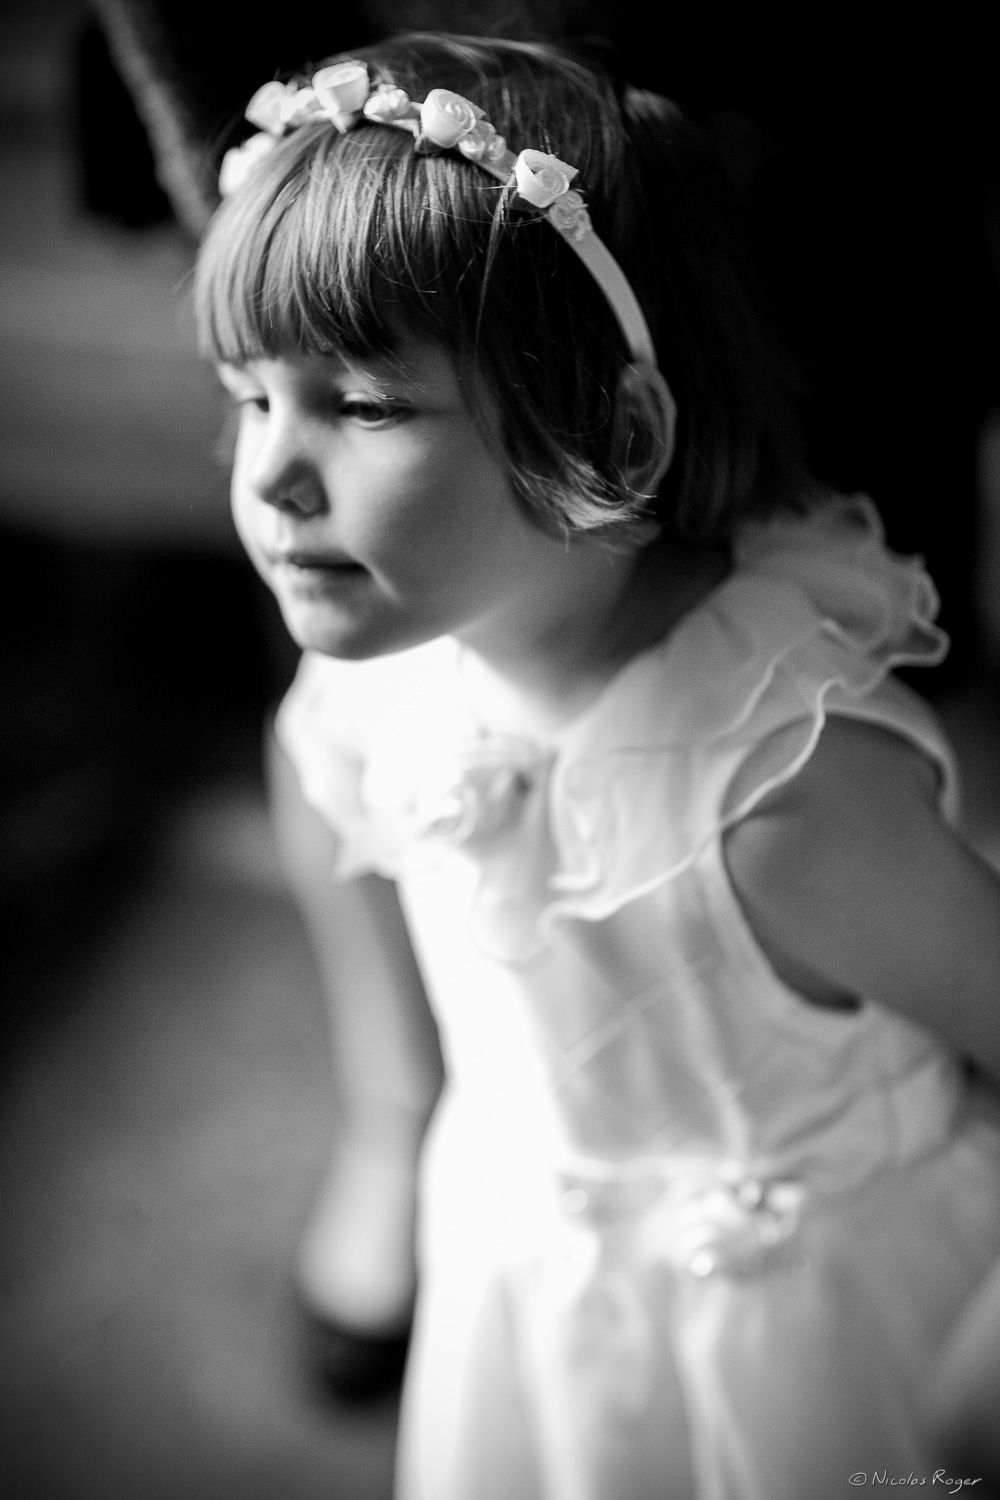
683 1233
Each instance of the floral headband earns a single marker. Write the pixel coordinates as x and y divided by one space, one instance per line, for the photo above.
343 94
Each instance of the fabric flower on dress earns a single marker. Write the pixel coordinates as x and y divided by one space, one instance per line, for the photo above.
708 1226
707 1220
478 792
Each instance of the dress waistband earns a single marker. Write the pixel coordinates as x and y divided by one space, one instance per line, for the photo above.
706 1213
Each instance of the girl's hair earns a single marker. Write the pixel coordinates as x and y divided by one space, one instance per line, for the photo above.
342 241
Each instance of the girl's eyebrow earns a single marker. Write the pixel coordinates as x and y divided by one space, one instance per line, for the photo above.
376 369
384 366
381 369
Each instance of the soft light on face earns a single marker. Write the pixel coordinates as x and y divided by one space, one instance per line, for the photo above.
372 505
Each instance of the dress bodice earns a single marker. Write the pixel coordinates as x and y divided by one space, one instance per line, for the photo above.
598 987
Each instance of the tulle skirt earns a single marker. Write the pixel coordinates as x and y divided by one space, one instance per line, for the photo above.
568 1355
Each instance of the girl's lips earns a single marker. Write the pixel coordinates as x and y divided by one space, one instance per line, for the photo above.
318 576
312 560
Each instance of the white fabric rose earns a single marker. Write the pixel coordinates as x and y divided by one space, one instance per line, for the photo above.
298 106
446 117
389 105
496 149
479 790
342 90
238 163
483 144
473 145
266 108
542 178
569 215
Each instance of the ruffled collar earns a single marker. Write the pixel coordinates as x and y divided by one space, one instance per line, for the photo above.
622 798
828 573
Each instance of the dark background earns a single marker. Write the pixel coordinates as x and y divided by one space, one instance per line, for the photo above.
166 1102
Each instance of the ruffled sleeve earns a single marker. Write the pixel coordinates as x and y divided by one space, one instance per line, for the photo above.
814 617
320 727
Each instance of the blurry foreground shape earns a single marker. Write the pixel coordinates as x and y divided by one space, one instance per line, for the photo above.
116 169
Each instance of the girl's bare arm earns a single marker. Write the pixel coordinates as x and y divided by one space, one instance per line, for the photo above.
855 886
385 1043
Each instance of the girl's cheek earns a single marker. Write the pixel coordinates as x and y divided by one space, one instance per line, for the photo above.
247 522
387 507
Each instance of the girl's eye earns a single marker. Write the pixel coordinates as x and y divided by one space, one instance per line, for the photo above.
251 403
372 413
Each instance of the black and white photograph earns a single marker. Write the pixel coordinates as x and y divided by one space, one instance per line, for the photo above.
499 751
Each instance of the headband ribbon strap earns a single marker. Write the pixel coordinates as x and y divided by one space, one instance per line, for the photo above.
342 93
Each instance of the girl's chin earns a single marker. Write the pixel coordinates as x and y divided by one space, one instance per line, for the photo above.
353 634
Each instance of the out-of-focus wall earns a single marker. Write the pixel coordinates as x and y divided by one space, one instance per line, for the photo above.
137 648
108 421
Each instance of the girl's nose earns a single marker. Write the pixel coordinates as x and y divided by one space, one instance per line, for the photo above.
284 473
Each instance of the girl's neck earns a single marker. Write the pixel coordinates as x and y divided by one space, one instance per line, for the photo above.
540 668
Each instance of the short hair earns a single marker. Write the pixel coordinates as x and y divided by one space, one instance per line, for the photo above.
339 241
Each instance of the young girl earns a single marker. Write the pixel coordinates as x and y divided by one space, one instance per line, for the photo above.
603 683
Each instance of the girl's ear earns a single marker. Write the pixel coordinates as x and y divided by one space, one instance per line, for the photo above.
644 427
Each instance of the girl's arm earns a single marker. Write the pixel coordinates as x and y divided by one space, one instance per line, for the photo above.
355 1262
854 886
385 1043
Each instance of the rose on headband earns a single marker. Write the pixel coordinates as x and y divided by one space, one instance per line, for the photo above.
342 90
389 105
473 145
299 106
541 178
569 215
238 163
496 149
446 117
266 109
483 143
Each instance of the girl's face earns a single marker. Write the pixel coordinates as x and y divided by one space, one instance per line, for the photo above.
371 505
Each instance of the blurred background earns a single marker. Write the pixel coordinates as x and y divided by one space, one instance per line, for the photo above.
166 1103
165 1091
